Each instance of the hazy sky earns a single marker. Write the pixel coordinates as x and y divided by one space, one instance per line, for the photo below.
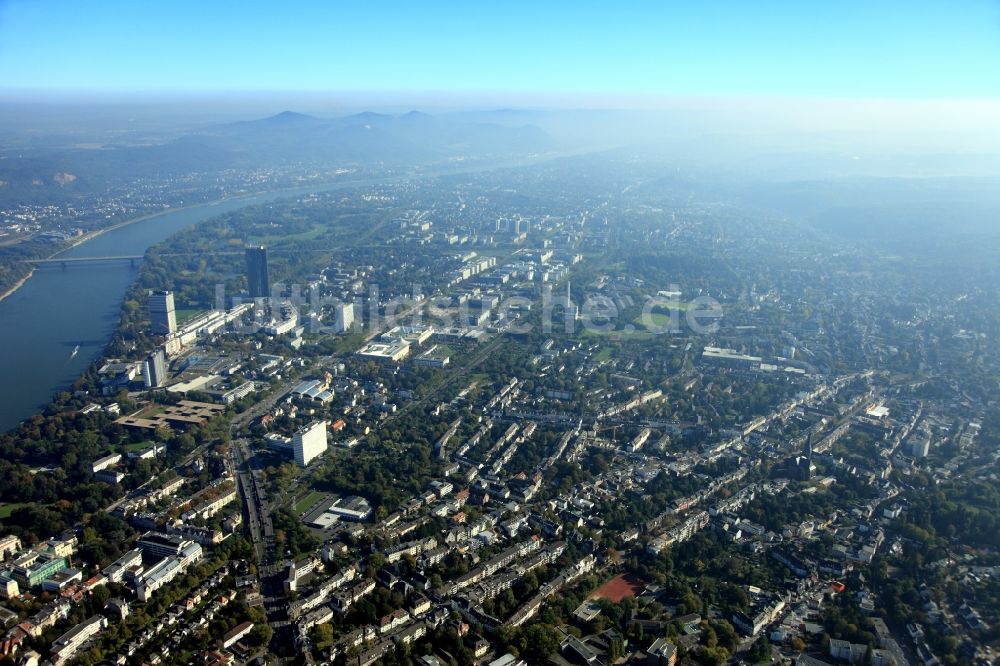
849 49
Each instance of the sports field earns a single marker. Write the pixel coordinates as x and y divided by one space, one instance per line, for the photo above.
618 588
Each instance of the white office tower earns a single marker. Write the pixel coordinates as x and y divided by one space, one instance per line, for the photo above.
572 311
154 369
309 441
345 317
162 318
920 448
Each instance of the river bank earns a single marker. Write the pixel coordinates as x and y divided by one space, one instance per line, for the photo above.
77 241
91 235
80 240
79 305
17 285
317 186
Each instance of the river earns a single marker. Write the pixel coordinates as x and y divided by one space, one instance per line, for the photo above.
60 308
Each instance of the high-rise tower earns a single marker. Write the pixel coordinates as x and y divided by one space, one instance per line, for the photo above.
154 369
257 280
308 442
162 318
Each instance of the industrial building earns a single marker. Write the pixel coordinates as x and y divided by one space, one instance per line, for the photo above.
386 351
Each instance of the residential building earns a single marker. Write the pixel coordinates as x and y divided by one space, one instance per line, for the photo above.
237 634
66 646
166 570
9 545
157 544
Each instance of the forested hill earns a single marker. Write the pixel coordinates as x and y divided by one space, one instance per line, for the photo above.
413 139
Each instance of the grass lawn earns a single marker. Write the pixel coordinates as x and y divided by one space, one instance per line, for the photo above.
152 411
657 319
273 239
308 501
440 351
603 355
139 446
185 315
352 342
7 508
672 305
661 319
622 334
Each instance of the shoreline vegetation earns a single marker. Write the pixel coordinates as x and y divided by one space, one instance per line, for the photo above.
291 191
332 183
17 285
91 235
142 218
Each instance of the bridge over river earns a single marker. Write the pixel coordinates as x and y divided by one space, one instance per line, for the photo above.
63 261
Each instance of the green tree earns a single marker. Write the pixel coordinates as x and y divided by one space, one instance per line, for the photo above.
322 635
537 642
760 651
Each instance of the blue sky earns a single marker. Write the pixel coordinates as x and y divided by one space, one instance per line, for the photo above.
847 49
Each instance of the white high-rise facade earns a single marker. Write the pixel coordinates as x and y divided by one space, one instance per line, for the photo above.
345 317
308 442
154 369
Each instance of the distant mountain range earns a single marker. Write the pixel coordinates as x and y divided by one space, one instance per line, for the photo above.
368 138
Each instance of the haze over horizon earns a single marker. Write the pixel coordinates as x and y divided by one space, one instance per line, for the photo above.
913 75
500 334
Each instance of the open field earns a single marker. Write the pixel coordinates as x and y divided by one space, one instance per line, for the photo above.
308 501
618 588
9 507
185 315
139 446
